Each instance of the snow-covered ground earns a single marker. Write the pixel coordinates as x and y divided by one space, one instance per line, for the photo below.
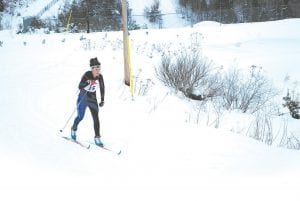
165 155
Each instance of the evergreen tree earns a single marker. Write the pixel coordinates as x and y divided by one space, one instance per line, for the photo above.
1 6
153 13
97 15
230 11
132 25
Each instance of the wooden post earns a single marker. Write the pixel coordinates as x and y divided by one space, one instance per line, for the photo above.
87 17
125 44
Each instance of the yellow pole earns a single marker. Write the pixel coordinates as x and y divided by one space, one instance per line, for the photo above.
69 19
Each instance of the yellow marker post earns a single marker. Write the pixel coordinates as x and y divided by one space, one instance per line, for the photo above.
130 69
68 23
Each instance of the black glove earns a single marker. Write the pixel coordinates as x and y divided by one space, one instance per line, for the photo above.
101 103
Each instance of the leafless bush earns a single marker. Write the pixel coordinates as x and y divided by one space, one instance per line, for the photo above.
196 40
142 87
86 44
293 143
289 140
262 128
247 93
145 87
190 74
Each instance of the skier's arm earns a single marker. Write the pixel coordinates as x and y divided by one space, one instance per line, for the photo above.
83 82
102 88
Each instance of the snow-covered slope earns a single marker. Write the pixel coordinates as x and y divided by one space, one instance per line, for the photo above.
31 8
164 156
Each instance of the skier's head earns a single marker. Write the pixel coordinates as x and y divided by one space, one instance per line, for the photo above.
95 66
94 63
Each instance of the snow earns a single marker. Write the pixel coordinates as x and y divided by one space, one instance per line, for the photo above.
55 10
31 8
36 7
166 156
272 45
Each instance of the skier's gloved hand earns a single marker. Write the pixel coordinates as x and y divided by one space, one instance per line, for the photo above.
91 82
101 104
87 83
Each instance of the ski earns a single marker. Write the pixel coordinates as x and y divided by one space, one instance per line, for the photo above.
118 152
77 142
88 146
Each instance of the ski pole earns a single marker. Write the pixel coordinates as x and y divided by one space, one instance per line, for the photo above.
62 130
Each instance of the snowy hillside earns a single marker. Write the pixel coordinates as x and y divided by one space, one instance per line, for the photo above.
165 155
31 8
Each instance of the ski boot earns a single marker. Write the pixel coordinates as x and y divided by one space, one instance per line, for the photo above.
98 142
73 134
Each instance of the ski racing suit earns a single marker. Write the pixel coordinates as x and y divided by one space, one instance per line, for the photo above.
87 98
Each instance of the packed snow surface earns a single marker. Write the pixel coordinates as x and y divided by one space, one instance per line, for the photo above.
165 156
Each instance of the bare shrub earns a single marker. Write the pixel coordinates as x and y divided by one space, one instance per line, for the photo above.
290 142
86 44
262 128
293 143
247 93
141 84
190 74
142 87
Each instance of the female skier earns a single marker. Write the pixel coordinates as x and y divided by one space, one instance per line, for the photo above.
89 82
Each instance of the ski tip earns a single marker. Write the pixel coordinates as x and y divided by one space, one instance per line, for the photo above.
119 152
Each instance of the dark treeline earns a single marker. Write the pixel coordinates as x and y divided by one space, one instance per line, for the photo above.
237 11
1 6
87 16
95 15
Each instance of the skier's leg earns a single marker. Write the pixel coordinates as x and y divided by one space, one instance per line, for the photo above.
93 105
81 107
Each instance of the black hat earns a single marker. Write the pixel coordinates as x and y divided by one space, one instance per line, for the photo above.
94 62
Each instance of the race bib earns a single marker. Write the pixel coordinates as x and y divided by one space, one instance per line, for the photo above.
92 87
